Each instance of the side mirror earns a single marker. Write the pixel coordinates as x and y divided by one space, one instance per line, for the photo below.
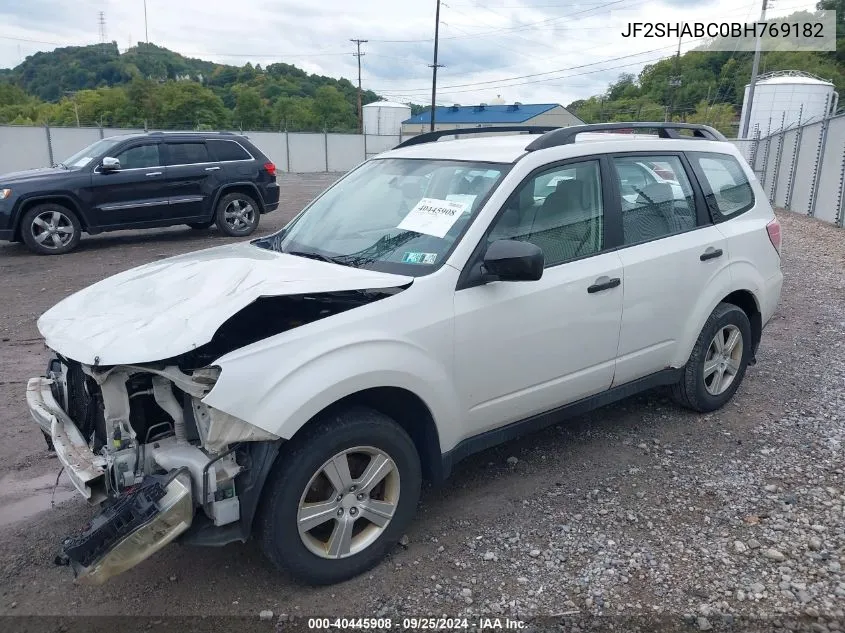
110 164
513 260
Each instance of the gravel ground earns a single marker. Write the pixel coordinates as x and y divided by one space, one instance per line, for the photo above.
639 516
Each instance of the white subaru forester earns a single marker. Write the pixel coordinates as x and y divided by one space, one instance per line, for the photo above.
439 299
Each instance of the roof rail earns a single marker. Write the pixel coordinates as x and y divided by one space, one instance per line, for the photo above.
567 135
429 137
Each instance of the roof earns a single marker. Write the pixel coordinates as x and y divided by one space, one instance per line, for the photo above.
513 113
508 148
791 77
387 104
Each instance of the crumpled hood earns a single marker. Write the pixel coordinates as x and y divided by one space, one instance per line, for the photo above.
166 308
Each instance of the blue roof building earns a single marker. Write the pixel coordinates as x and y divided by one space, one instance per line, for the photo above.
457 116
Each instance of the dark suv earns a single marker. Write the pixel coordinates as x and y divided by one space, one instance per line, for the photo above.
140 181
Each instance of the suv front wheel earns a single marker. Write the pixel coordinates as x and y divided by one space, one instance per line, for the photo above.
50 229
340 496
718 361
237 214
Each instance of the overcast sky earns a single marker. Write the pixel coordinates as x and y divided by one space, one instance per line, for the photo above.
533 51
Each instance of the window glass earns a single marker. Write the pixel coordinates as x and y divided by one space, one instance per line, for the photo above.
227 150
187 153
139 157
729 190
657 198
560 210
397 215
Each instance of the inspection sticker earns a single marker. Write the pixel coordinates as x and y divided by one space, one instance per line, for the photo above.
419 258
433 217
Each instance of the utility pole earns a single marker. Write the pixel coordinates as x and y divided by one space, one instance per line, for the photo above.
146 32
360 109
102 22
675 82
435 65
743 130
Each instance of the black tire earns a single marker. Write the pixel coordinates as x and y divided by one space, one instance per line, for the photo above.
692 390
201 225
301 459
65 226
237 201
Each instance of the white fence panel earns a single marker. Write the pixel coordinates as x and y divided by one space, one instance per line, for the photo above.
785 167
23 148
345 151
114 131
67 141
307 152
805 174
378 144
830 175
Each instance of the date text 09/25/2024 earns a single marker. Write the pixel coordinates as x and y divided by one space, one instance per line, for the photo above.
415 624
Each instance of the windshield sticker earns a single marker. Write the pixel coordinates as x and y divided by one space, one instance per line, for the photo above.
467 199
433 217
419 258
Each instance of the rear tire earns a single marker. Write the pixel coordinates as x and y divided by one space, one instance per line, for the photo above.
718 361
237 215
309 480
50 229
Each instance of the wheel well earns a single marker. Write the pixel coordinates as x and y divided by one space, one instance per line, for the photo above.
26 205
244 189
745 300
411 413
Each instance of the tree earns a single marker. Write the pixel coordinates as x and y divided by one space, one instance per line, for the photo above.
331 107
249 111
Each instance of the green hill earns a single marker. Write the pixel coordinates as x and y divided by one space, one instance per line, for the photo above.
165 89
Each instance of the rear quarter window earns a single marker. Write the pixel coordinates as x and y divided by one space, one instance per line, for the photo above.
725 184
227 151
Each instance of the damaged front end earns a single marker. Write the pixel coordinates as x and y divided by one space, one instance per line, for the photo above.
138 440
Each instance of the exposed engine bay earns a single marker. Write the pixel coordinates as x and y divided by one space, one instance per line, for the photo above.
139 440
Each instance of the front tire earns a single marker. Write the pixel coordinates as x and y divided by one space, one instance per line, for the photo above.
340 496
718 361
50 229
237 215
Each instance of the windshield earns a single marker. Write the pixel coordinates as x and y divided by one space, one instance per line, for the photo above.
85 156
394 215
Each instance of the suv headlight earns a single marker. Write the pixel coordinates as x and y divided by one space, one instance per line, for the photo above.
5 193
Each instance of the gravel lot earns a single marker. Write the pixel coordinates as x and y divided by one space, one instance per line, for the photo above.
639 516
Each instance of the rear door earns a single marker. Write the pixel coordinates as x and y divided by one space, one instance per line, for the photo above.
134 194
193 177
670 252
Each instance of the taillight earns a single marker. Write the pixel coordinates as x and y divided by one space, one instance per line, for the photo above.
270 168
773 229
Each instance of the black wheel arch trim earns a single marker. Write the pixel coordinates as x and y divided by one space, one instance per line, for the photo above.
27 201
224 189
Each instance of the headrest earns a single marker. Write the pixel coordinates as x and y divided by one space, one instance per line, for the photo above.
656 193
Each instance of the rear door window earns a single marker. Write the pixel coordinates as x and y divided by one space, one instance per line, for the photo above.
187 153
725 184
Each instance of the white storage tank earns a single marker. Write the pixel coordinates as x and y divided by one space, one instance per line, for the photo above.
779 97
385 117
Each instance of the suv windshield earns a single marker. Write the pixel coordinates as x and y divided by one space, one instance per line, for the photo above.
394 215
85 156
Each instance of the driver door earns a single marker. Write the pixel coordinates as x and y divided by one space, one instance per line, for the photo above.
524 348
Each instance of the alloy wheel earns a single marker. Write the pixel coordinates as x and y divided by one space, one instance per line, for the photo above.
52 229
723 359
349 502
239 215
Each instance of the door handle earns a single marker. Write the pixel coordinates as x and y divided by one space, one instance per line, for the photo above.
710 253
153 173
211 168
604 283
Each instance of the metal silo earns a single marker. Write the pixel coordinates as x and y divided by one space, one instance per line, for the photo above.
385 117
781 97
